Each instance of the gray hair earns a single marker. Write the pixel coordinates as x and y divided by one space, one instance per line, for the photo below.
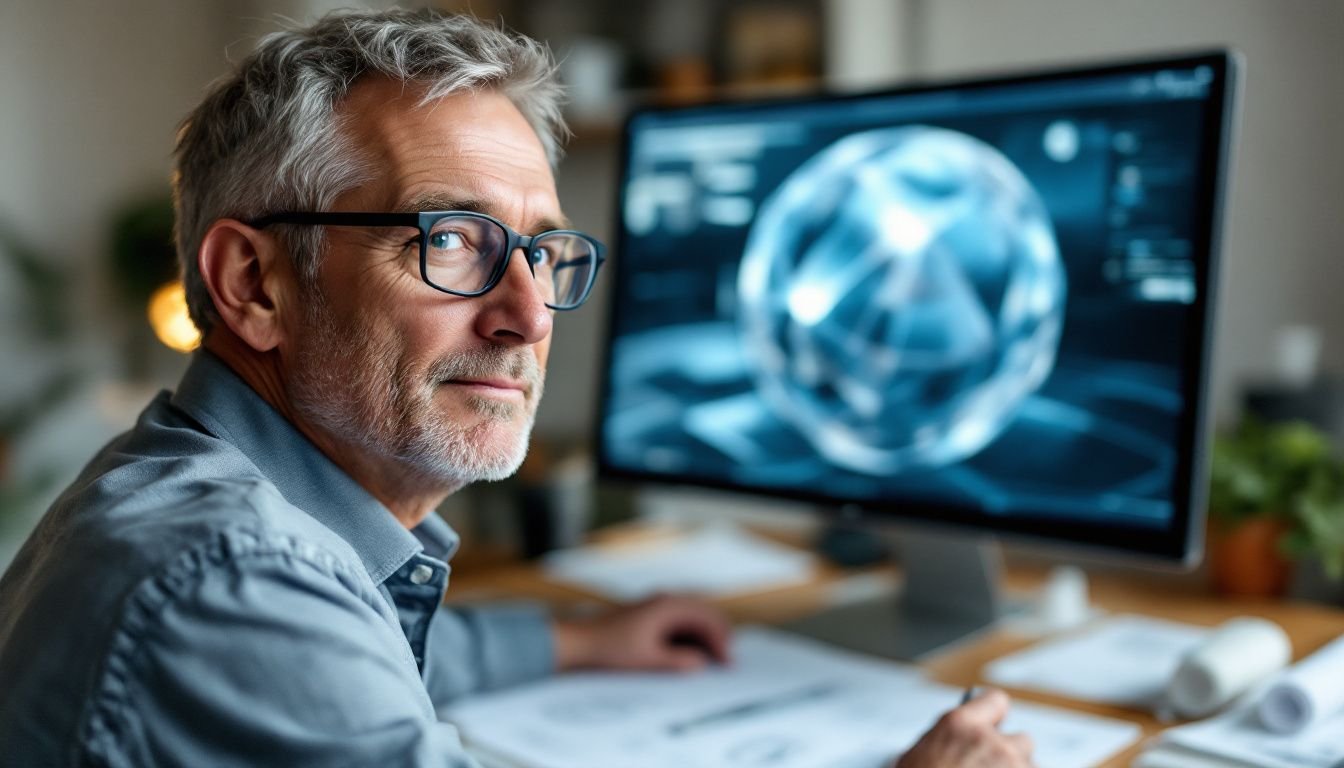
266 138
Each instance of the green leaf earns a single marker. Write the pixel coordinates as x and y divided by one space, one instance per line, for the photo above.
1285 470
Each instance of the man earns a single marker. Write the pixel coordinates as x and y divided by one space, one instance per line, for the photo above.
373 248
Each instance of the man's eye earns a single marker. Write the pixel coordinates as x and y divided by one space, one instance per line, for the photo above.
446 241
541 257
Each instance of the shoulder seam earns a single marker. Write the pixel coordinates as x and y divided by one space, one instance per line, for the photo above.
100 727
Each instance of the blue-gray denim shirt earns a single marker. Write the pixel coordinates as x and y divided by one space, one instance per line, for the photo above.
213 591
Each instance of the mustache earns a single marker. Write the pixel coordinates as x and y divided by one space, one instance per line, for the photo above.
490 362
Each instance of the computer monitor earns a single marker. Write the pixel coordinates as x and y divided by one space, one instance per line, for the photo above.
983 304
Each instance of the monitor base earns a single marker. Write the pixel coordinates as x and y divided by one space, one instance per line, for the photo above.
951 593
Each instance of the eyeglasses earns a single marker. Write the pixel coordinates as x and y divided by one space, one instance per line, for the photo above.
466 253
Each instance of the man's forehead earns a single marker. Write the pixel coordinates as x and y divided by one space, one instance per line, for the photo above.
472 125
471 150
539 219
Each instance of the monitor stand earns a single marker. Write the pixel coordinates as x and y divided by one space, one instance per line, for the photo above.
951 592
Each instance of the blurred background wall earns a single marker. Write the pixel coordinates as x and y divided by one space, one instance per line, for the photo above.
91 93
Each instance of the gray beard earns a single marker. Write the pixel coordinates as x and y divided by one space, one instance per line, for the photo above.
351 386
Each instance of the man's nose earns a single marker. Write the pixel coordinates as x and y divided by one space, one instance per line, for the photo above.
515 310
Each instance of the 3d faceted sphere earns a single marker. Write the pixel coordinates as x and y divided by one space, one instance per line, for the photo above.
901 296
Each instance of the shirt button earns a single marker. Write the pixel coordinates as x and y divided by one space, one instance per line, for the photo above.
421 574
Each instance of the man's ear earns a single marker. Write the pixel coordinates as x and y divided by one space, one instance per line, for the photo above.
249 280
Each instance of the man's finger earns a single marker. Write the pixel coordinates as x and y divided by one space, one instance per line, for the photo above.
683 660
698 640
988 708
700 624
716 632
1021 743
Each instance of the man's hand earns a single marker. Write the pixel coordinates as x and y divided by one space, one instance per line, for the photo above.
968 737
663 633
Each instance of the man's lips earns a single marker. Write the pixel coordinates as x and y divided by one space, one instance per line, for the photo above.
499 387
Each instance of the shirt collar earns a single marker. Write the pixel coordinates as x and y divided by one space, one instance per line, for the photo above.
212 394
438 538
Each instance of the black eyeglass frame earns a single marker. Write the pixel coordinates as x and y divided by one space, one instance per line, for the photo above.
425 221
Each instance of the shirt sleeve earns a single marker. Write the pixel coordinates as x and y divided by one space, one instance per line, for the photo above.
270 659
470 650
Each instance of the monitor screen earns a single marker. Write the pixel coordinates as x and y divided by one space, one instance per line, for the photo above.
984 303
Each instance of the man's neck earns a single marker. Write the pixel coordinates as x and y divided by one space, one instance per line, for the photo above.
382 478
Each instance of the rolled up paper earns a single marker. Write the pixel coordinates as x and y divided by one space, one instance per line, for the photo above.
1236 656
1311 690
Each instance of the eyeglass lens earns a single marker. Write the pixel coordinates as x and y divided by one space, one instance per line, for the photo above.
463 252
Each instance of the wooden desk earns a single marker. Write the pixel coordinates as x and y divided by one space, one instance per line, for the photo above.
483 576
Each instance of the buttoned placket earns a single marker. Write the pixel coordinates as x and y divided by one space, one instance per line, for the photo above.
417 589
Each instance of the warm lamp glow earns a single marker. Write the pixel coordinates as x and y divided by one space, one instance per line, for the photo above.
169 319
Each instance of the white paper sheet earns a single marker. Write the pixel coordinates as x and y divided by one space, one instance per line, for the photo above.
718 560
1310 691
1168 755
1239 735
1122 660
785 703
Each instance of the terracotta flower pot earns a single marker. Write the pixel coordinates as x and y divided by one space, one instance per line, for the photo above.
1244 557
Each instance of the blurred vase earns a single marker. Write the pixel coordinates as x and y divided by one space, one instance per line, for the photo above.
685 80
1244 557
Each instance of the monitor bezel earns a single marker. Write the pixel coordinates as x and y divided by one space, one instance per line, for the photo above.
1181 543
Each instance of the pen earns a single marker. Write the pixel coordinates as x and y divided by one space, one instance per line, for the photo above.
967 696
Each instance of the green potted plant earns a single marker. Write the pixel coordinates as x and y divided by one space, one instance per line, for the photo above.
1276 495
143 261
1317 539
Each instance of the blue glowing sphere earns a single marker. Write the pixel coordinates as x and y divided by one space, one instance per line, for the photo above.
901 295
